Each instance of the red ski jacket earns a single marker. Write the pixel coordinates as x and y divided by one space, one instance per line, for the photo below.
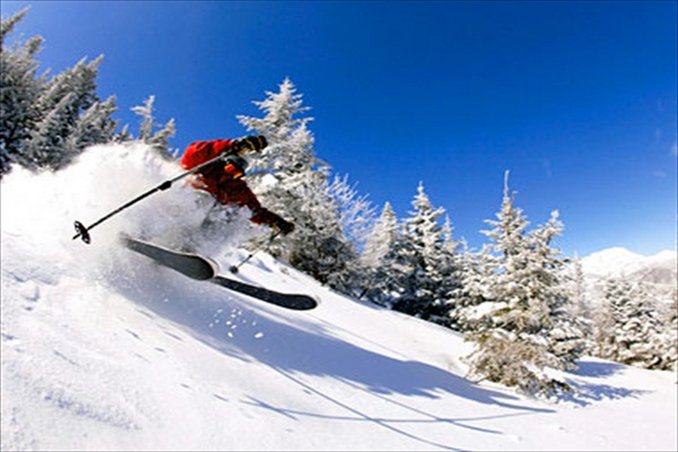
219 179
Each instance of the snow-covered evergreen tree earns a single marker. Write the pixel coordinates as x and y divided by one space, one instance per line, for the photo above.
294 183
549 283
422 252
46 146
45 123
670 335
357 217
513 344
384 273
357 212
20 88
290 149
581 305
452 270
65 98
93 126
319 246
635 336
383 235
476 272
159 139
578 287
78 81
603 324
509 283
289 160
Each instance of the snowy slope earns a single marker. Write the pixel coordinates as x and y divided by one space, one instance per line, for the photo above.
103 350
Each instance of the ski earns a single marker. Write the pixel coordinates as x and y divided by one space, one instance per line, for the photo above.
298 302
188 264
203 269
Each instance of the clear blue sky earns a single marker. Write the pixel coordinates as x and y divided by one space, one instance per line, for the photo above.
577 99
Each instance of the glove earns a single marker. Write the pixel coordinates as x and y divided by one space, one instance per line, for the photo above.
282 226
248 144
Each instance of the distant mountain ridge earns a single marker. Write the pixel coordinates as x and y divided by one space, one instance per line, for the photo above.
659 270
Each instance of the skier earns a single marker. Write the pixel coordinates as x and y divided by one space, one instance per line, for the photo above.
224 178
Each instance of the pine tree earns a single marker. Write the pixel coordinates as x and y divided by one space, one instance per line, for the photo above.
476 273
290 149
46 146
123 136
513 344
319 246
549 284
78 81
451 263
357 212
635 338
581 308
64 116
383 235
603 323
288 162
159 139
422 253
511 282
294 183
357 218
670 336
60 105
20 88
93 126
384 274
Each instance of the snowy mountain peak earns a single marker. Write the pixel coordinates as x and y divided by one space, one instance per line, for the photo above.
620 262
601 262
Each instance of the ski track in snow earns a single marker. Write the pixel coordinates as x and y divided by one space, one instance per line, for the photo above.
103 350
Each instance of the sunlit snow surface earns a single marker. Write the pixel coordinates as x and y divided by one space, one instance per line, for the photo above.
102 349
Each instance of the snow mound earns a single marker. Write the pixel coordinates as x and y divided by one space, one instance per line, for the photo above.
103 350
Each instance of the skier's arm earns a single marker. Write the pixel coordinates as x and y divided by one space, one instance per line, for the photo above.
200 152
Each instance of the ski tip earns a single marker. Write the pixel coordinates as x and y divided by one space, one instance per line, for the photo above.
304 302
315 298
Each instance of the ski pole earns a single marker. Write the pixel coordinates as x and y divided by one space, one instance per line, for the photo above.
235 268
83 232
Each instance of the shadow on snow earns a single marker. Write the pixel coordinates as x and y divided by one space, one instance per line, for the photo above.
303 348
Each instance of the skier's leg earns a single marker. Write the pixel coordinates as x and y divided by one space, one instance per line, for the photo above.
205 202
